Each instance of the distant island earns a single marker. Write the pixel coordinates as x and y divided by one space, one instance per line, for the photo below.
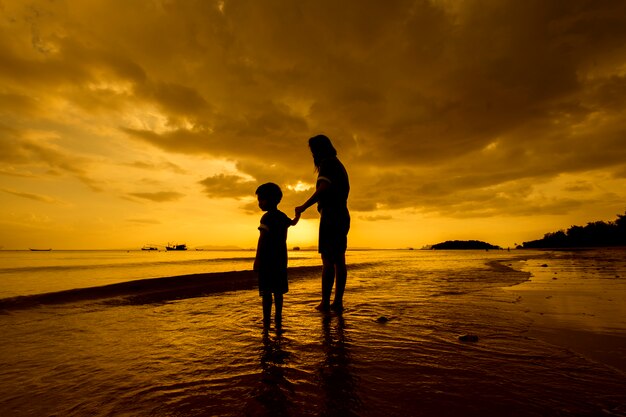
464 244
594 234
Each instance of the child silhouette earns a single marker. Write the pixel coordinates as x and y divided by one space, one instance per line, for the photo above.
271 255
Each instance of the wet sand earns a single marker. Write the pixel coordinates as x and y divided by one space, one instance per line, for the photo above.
578 301
195 346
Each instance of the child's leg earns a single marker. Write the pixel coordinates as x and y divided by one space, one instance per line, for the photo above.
278 314
267 308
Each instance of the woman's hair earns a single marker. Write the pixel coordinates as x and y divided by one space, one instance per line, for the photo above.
321 148
271 192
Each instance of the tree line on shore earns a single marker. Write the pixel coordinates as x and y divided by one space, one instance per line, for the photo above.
594 234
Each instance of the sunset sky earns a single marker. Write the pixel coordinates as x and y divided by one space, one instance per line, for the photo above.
124 123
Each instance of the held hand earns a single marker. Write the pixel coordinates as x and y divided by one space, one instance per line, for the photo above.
300 210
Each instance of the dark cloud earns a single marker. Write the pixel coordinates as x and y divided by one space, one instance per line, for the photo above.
174 98
376 218
228 186
143 221
37 197
11 101
12 172
579 186
159 196
620 172
269 133
11 149
161 166
455 107
17 152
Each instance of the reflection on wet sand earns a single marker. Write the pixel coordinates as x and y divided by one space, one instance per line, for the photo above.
336 379
281 391
270 398
208 356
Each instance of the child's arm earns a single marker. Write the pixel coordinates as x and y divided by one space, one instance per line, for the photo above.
255 267
295 219
258 248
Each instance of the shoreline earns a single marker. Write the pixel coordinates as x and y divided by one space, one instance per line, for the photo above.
396 349
577 304
603 348
583 328
153 290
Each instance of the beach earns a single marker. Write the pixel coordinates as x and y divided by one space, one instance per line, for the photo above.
194 345
578 299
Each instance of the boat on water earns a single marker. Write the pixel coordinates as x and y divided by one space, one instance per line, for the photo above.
40 250
176 247
149 247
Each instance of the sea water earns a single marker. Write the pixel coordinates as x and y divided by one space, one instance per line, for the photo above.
35 272
395 351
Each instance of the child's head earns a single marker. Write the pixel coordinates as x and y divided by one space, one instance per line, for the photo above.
269 195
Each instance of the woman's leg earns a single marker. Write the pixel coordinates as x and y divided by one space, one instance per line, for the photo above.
278 313
328 279
267 308
341 275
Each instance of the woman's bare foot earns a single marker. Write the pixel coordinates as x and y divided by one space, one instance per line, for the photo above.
323 306
338 307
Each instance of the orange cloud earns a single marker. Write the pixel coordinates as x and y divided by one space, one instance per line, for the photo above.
159 196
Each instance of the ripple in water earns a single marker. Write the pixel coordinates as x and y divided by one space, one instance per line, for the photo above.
210 356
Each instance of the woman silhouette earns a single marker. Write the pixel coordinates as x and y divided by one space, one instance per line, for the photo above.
331 195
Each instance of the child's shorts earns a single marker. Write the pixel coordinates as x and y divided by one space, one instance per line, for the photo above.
273 281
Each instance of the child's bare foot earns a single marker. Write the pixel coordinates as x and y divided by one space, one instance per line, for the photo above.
279 329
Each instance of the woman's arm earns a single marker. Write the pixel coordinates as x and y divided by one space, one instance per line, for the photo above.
319 189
